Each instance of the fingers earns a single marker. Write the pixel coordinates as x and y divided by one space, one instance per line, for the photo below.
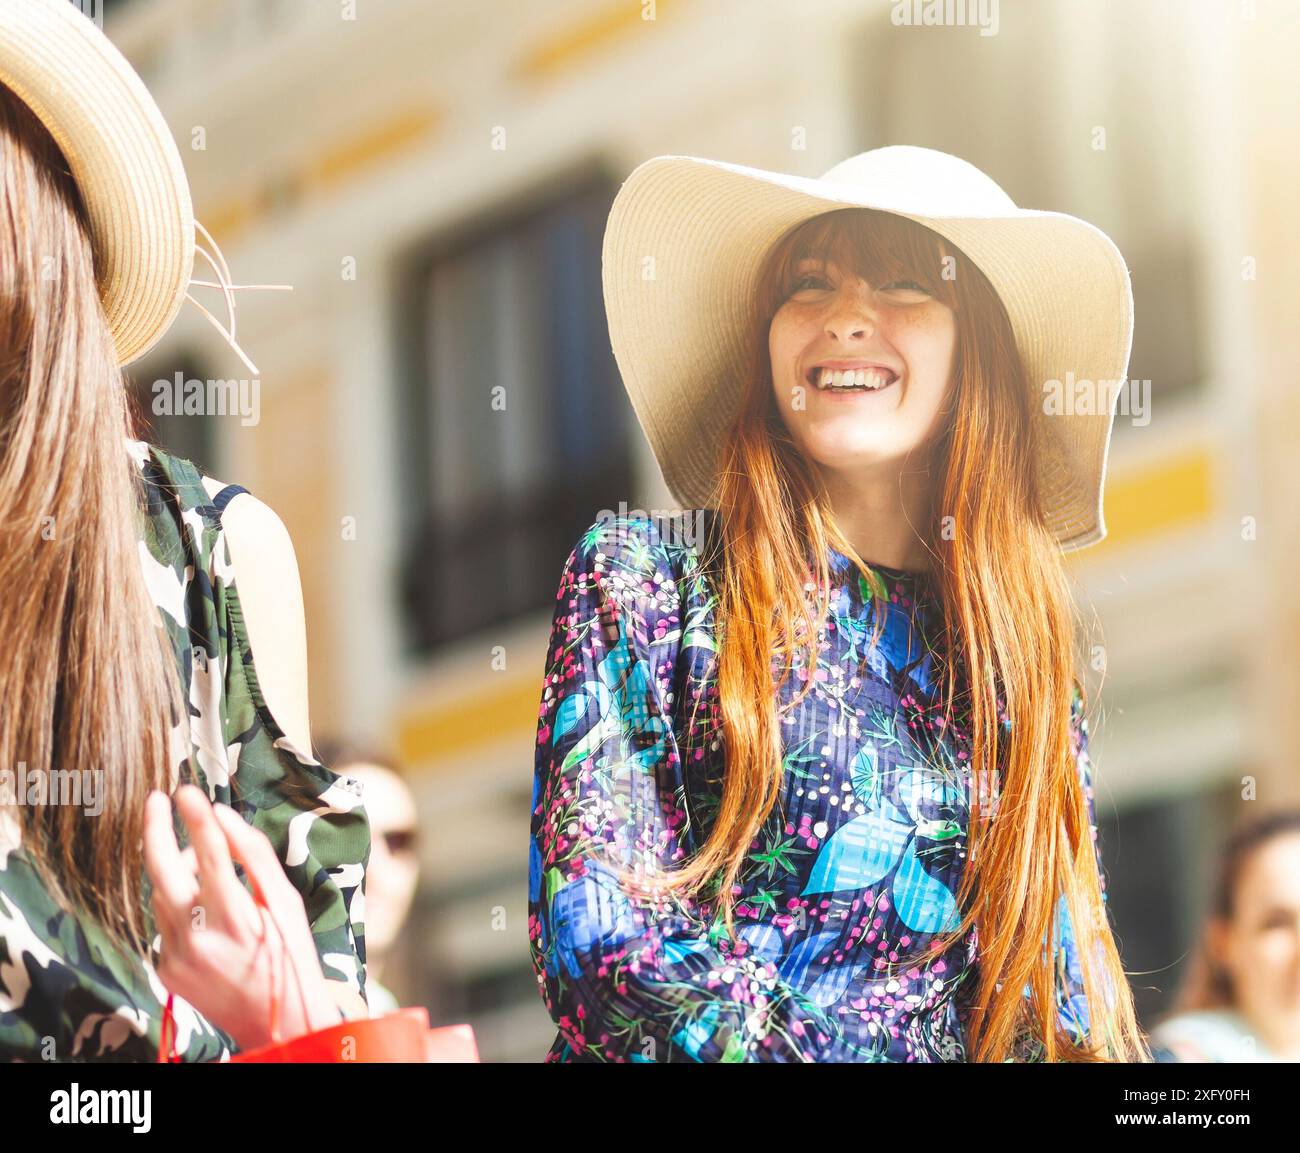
284 911
246 965
252 849
225 899
173 887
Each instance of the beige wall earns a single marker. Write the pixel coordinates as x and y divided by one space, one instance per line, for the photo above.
296 475
1271 128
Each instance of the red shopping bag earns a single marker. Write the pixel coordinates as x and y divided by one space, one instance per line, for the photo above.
397 1036
403 1035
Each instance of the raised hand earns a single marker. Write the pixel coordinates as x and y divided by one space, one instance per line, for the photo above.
221 951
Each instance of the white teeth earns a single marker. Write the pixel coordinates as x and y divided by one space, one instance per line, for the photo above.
868 378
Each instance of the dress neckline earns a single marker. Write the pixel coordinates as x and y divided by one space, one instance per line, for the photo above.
841 565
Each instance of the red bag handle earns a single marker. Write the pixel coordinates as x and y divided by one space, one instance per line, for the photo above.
167 1030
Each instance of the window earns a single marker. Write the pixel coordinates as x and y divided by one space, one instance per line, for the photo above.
1159 860
515 422
1022 106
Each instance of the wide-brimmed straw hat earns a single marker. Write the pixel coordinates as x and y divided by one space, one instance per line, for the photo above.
680 335
126 165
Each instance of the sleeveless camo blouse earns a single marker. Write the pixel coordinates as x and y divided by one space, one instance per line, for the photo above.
65 992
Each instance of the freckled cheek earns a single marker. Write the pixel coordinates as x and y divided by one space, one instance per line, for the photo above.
915 321
924 338
788 338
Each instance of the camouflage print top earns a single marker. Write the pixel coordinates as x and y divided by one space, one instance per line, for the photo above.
65 992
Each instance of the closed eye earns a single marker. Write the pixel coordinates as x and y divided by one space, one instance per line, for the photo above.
896 285
807 277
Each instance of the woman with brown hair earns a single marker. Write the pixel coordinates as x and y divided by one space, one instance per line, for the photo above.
134 591
813 784
1241 998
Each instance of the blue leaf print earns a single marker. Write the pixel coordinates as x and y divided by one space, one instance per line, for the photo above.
866 849
919 787
767 941
802 957
832 985
534 869
590 912
677 949
573 709
763 938
923 903
858 854
698 1033
864 777
898 646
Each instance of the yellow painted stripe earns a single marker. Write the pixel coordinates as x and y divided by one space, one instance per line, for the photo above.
581 40
373 147
433 737
227 221
1156 497
351 158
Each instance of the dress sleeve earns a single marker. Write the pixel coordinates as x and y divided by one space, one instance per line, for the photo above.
627 977
1071 1000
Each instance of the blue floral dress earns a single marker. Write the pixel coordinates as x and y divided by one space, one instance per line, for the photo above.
858 864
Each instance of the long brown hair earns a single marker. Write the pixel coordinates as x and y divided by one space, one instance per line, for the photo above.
87 677
1207 984
1007 610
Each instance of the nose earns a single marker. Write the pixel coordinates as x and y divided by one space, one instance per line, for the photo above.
851 314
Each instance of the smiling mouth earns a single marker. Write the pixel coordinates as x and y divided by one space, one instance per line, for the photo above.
874 379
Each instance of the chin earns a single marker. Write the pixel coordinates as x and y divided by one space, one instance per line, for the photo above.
849 453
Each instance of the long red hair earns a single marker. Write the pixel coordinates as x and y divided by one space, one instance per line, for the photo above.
1008 613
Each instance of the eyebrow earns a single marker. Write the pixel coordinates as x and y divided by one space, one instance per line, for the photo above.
829 262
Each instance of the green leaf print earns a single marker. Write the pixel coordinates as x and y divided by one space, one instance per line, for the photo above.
777 856
795 755
866 590
554 883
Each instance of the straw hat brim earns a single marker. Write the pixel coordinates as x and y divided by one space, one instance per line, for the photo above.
122 156
679 334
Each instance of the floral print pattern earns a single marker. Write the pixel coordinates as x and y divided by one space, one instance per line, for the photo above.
858 865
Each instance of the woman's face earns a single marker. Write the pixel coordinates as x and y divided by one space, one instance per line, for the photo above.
839 320
394 869
1260 947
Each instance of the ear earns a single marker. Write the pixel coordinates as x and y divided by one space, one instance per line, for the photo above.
1218 943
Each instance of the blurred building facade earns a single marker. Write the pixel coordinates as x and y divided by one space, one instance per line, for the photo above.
440 413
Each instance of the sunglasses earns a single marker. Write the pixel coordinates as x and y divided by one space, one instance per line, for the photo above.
400 840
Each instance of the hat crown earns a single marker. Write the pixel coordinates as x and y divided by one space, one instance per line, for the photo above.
923 181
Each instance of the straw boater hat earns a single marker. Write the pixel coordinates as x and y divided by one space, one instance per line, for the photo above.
679 336
126 166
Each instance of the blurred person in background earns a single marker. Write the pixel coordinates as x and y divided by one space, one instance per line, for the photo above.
394 868
1241 998
133 592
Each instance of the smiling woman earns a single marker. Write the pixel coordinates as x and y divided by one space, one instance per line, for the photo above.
861 375
775 767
